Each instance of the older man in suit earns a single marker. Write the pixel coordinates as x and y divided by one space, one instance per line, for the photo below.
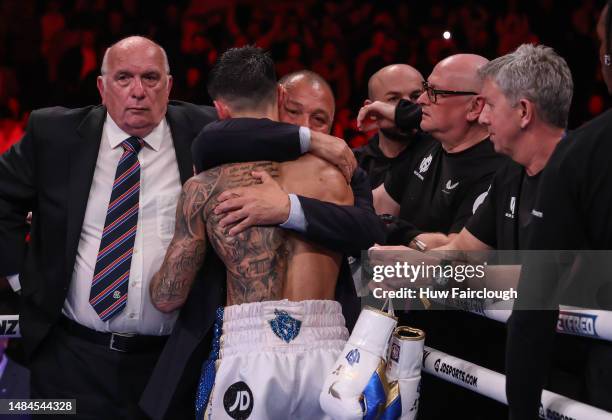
101 182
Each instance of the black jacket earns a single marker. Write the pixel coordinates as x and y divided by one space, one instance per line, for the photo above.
49 172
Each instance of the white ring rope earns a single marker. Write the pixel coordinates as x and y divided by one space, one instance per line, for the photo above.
492 384
572 320
460 372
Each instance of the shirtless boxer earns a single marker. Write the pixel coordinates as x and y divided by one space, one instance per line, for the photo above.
281 332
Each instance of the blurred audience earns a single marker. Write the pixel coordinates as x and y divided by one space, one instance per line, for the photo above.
49 51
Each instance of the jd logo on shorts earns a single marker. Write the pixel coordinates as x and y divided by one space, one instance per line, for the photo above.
285 326
437 365
238 401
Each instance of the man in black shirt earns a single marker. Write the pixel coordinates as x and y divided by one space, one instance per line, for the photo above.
572 212
391 146
449 180
527 97
436 197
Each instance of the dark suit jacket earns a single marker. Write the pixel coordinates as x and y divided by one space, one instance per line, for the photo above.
347 229
15 383
50 173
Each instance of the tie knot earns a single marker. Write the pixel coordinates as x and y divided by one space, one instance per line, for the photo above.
132 144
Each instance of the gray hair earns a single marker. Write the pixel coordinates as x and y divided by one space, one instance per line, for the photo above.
104 66
536 73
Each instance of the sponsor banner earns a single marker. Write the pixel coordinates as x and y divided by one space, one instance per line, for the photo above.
577 323
590 323
9 326
492 384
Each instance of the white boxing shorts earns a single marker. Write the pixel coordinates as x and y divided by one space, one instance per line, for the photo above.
273 358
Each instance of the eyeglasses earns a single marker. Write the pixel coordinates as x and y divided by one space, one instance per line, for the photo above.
432 93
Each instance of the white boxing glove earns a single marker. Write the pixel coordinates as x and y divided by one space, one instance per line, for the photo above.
355 389
404 373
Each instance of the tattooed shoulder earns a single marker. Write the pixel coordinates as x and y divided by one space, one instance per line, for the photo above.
194 196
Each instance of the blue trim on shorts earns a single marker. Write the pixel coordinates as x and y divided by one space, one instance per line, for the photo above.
207 377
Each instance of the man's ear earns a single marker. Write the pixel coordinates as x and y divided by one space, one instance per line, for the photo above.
475 108
281 92
526 112
170 83
223 111
100 84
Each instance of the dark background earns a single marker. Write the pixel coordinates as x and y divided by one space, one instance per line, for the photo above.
50 50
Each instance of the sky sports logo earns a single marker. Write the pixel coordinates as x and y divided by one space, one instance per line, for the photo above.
577 323
455 373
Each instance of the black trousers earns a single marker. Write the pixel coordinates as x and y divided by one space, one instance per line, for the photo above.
106 384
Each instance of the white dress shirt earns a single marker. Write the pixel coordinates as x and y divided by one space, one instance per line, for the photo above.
160 187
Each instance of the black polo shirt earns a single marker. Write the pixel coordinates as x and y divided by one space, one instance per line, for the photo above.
503 219
371 158
573 211
443 190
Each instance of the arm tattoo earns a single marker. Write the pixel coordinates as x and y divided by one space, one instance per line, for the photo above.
185 254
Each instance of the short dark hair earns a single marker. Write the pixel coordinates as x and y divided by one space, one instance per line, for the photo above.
244 77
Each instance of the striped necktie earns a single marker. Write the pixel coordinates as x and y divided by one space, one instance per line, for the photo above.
109 288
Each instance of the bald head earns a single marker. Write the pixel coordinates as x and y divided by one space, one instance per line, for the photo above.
462 70
135 85
309 79
451 106
130 44
398 80
308 101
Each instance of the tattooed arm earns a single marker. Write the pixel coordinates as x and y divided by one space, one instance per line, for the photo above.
170 286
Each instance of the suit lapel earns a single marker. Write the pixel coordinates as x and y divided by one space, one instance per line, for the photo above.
82 161
182 137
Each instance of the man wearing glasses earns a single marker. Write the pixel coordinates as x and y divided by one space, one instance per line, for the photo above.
435 198
451 179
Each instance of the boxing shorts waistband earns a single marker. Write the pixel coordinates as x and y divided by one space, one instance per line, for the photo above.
282 325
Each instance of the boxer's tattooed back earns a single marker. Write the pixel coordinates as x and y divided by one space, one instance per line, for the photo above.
263 263
256 259
185 254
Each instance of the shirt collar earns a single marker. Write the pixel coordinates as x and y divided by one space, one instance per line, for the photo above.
116 135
